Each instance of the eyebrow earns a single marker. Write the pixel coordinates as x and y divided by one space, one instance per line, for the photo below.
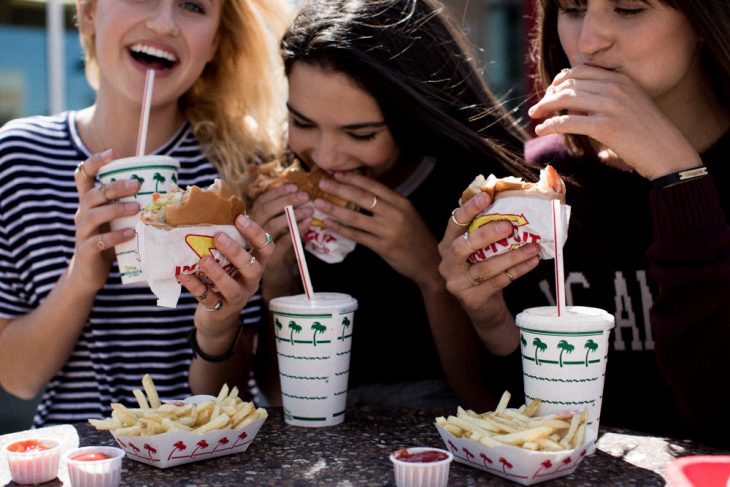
352 126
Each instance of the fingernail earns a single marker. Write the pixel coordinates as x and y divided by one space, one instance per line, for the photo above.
531 110
326 184
320 204
107 154
131 183
223 240
531 249
502 227
183 278
131 207
302 196
243 221
129 233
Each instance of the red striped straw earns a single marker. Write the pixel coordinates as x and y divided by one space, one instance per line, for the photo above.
299 251
558 232
149 84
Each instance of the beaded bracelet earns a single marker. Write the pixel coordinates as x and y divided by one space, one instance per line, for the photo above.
679 177
197 352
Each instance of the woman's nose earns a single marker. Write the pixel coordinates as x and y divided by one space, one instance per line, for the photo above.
162 19
595 34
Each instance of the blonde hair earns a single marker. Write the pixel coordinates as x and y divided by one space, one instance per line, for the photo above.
237 106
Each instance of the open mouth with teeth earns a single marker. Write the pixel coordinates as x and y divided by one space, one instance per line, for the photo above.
152 57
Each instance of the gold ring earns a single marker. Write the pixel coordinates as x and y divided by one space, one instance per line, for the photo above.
100 242
475 281
453 218
268 241
509 276
80 168
466 237
102 190
244 267
216 307
202 296
374 203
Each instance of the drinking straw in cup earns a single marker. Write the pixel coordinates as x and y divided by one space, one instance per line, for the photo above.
149 85
299 251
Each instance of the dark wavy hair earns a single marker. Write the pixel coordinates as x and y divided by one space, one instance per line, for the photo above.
412 58
709 18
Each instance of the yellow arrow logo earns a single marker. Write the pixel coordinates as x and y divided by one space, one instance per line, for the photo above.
200 244
517 220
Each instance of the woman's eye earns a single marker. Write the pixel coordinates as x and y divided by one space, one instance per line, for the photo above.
363 137
300 124
629 12
193 7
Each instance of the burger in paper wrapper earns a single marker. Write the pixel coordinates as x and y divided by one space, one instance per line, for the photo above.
527 206
177 229
318 239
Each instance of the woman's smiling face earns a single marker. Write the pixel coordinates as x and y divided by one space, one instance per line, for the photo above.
337 125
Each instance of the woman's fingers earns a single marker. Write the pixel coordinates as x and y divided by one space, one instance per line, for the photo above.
85 172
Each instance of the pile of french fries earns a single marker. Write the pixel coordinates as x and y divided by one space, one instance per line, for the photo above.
227 411
519 427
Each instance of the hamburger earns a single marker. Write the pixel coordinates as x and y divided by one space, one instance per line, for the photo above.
550 186
214 205
273 174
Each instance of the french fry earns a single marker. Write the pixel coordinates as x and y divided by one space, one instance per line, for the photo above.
519 426
226 411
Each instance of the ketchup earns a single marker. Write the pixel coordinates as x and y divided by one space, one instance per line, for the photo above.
28 446
90 456
425 456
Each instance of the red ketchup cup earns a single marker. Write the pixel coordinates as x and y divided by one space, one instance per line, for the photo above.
421 467
95 466
33 460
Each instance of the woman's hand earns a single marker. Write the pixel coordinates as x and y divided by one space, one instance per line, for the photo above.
478 287
390 225
217 315
94 251
268 212
611 108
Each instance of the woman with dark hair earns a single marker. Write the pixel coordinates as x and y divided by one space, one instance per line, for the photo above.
636 111
386 96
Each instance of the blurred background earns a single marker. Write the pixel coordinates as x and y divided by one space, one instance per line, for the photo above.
42 72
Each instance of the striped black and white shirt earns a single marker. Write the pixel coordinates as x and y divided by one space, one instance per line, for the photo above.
127 334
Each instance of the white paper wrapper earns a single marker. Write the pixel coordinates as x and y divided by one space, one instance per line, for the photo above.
517 464
178 447
531 219
324 243
166 253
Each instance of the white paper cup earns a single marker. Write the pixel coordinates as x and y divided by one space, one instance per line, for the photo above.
105 472
422 474
313 341
33 467
156 174
564 358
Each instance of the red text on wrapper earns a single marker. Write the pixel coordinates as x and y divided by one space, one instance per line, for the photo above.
203 245
518 238
319 239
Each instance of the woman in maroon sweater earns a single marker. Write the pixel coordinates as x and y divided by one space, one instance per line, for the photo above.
636 112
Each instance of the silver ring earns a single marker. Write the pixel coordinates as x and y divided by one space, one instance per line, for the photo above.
102 190
202 296
374 203
509 276
268 241
100 242
216 307
466 237
453 218
244 267
475 281
80 168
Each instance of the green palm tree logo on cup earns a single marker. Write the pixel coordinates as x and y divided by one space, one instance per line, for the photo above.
590 346
158 178
278 325
294 329
522 340
138 178
540 346
318 328
173 178
345 325
564 347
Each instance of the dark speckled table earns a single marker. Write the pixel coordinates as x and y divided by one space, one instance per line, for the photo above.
356 453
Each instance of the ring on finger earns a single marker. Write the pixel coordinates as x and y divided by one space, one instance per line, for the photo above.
268 241
453 218
80 168
216 307
100 242
374 203
202 296
468 242
509 276
102 190
475 281
247 265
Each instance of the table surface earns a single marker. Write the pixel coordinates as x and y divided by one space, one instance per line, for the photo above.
356 453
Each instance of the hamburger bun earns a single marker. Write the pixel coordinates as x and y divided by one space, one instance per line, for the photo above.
550 186
214 205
